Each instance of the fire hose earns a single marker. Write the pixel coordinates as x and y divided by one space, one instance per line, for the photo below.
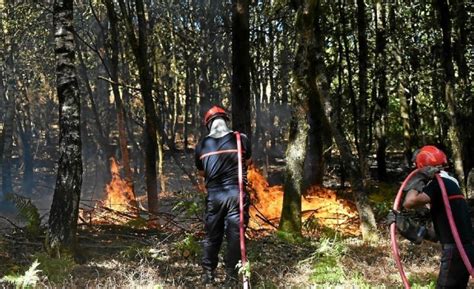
452 225
243 254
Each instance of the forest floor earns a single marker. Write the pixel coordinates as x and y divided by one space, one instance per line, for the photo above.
167 255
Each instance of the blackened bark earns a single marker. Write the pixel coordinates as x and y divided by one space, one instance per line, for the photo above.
362 121
381 99
65 207
240 89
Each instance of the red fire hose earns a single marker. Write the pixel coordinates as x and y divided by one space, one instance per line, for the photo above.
243 254
454 230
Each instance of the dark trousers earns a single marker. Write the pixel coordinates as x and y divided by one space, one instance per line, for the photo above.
223 216
452 272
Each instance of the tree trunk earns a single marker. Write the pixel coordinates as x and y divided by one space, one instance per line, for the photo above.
446 60
114 61
362 103
381 99
10 111
25 134
240 89
304 72
65 207
146 78
395 31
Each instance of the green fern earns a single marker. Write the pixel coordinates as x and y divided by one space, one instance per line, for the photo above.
27 280
28 212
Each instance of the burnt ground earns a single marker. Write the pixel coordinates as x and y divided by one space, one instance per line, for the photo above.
133 255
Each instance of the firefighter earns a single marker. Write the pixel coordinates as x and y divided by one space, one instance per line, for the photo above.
424 191
216 159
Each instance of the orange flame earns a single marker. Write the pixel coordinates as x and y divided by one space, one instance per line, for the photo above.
319 204
119 192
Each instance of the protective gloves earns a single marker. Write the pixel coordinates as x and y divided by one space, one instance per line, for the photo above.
409 229
421 179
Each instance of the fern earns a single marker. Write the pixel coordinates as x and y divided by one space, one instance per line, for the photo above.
28 212
27 280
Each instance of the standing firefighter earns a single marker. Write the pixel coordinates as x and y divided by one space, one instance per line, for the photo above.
217 161
425 190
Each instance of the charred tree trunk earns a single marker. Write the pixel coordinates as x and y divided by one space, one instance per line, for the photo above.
447 63
381 99
146 78
65 207
363 96
240 89
318 132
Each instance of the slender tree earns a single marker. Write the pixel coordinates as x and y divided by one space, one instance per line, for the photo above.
241 67
381 99
10 94
65 207
139 45
455 135
303 87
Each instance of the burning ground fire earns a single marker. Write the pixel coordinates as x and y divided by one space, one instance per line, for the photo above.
320 205
118 206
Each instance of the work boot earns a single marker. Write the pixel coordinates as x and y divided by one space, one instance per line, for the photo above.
231 278
208 277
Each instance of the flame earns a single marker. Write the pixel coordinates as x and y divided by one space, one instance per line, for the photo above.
318 204
119 192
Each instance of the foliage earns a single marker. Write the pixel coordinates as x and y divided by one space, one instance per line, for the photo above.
191 208
244 270
418 282
189 246
27 280
56 269
28 212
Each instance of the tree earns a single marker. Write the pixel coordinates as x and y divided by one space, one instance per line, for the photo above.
455 135
381 99
9 95
304 72
241 68
139 45
65 207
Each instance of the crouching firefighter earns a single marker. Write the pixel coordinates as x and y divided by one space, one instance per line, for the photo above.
425 189
217 160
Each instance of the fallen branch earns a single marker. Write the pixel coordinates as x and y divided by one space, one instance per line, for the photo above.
11 223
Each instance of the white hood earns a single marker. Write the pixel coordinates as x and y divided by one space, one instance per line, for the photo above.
219 128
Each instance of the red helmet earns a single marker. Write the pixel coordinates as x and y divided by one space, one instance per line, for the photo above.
430 156
214 112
